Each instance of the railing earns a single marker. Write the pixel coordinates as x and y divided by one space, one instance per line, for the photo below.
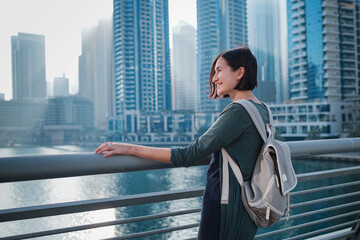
339 210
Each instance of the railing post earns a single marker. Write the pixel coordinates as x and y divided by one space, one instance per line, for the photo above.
356 227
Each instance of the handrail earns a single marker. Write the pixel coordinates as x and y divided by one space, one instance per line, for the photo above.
25 168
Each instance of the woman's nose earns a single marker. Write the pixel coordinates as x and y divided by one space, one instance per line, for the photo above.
215 78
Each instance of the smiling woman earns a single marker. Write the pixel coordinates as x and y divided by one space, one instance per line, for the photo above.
233 74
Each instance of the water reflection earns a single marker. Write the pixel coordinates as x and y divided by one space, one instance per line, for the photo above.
22 194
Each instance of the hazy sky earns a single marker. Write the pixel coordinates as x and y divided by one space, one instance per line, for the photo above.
61 22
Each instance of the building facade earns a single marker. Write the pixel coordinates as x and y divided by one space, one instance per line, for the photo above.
61 86
297 121
322 48
28 66
141 56
21 121
67 119
96 71
221 25
265 43
184 89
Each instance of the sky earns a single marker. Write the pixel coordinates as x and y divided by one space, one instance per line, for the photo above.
61 22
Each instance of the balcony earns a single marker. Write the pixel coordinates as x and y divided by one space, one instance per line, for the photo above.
332 93
297 5
332 66
298 30
298 13
329 4
329 84
333 22
58 166
332 13
297 22
331 39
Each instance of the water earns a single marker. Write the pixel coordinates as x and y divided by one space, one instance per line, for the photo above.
29 193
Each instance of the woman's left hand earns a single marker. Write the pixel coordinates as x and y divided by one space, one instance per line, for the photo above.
113 148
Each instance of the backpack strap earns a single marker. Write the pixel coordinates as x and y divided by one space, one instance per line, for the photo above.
225 174
270 114
256 117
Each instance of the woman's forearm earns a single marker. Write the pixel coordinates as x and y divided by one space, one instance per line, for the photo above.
152 153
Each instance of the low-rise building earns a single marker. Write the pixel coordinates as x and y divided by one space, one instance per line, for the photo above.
67 117
293 121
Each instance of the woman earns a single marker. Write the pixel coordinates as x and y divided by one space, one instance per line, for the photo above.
233 74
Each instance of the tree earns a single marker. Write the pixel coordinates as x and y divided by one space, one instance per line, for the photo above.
354 133
314 134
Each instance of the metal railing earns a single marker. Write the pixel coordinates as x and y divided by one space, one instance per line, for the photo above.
341 199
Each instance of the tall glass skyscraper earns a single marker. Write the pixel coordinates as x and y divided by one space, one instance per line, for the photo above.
96 70
221 25
28 66
141 55
184 67
265 43
322 47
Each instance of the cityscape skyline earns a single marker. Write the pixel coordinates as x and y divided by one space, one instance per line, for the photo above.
345 33
124 73
63 34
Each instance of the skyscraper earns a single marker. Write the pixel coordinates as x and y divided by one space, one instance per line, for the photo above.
96 77
221 25
61 86
323 62
265 43
184 67
28 66
142 55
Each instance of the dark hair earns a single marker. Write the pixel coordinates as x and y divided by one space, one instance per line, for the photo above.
236 58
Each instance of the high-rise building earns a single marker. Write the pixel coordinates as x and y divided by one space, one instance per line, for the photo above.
265 43
221 25
61 86
96 73
28 66
141 55
322 47
184 67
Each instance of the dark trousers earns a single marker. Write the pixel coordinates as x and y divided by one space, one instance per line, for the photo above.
210 214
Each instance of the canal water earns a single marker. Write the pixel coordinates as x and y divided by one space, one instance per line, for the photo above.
39 192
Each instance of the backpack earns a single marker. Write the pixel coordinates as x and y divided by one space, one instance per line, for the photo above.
266 195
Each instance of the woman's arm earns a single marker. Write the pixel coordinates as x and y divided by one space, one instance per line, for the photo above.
152 153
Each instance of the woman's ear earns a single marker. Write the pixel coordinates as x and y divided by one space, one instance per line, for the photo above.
240 72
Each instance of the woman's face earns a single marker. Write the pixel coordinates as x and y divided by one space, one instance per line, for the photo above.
225 78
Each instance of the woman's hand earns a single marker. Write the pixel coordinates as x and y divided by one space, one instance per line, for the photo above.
113 148
152 153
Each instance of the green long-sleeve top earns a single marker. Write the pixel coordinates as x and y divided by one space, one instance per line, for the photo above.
234 131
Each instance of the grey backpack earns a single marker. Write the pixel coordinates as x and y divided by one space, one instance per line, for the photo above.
266 195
